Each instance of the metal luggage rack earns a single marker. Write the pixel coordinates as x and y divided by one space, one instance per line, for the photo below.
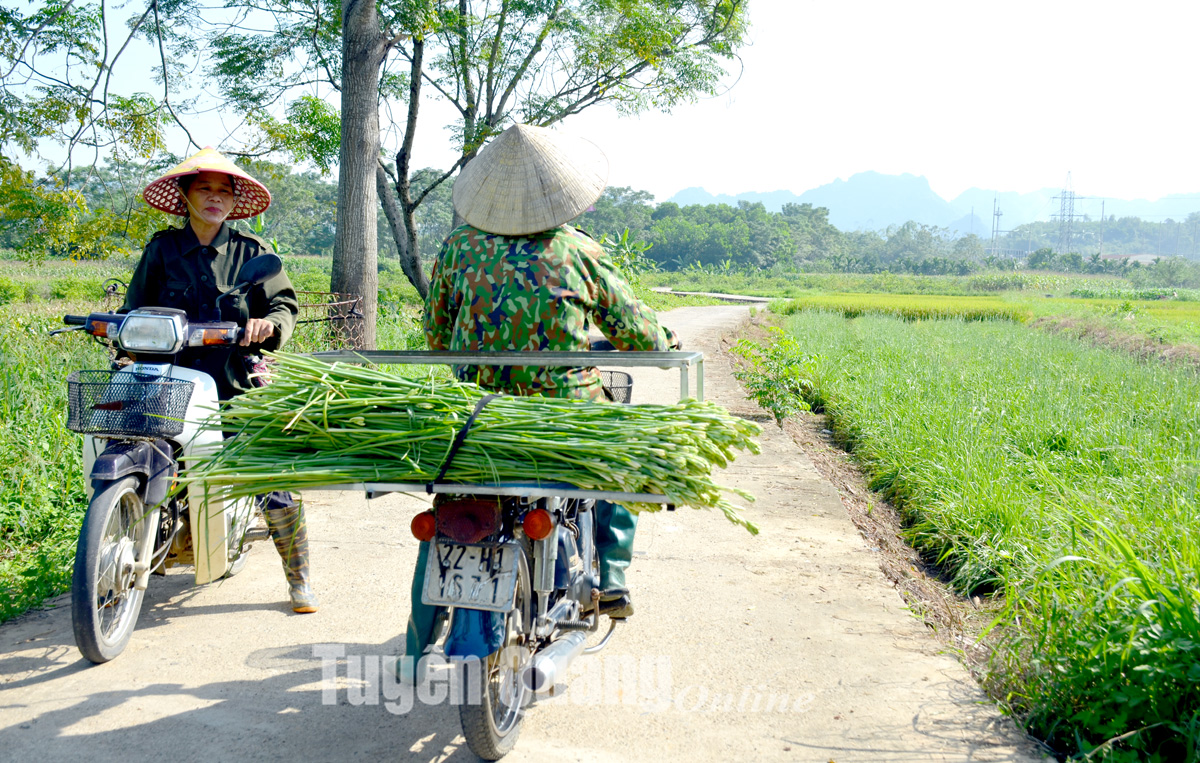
684 360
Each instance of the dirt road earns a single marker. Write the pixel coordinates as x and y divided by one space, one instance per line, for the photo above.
786 646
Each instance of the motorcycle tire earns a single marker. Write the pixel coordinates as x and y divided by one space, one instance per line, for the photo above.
494 694
104 602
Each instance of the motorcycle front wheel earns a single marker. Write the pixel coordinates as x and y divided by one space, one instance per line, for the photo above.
494 692
104 601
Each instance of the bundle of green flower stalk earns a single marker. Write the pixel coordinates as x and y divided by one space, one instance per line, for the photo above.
318 424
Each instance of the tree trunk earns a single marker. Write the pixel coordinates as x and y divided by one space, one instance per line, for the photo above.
403 228
355 248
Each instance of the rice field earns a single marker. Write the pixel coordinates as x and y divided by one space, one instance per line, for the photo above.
911 307
1156 320
1064 477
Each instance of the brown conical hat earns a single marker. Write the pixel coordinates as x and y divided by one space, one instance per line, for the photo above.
251 196
530 179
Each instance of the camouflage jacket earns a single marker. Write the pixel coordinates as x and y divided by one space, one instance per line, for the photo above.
530 293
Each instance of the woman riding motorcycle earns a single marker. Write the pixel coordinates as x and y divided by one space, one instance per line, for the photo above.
517 278
189 268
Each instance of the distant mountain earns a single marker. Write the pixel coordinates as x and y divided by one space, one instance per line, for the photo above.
873 201
773 201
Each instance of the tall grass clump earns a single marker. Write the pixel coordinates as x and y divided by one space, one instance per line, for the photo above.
41 487
1062 475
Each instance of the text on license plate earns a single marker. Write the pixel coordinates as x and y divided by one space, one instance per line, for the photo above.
471 576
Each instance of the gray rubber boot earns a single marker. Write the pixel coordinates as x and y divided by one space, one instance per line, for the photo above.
290 534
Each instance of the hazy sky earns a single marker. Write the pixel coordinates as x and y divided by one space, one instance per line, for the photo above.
1009 96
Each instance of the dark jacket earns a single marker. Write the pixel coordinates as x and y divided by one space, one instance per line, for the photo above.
176 271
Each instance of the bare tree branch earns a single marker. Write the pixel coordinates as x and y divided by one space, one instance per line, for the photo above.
162 56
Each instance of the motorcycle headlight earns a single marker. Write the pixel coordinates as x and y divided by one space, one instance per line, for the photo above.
152 333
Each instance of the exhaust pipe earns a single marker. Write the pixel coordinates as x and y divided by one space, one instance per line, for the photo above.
550 664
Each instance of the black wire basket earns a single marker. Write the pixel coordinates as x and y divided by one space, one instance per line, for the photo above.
123 403
618 385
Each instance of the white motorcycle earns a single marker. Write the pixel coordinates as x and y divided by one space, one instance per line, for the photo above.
141 422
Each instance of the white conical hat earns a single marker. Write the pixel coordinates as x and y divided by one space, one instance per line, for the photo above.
530 179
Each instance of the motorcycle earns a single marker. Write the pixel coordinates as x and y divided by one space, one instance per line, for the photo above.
141 421
520 577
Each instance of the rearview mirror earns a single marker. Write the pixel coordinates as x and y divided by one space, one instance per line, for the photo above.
259 269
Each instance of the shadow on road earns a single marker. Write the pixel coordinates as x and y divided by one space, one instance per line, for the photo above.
293 711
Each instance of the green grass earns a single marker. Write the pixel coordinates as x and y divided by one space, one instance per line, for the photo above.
1169 322
784 285
1119 292
1062 475
41 489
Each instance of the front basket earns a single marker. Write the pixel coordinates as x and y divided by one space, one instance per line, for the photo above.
129 404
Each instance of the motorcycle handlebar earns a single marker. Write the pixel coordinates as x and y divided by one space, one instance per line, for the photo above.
198 334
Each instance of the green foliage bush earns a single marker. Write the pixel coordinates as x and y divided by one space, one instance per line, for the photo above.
11 291
77 289
999 282
777 375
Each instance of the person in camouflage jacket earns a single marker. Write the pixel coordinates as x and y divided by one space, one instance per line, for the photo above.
518 278
534 293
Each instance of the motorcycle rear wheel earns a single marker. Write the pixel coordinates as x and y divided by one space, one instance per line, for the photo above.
104 602
491 724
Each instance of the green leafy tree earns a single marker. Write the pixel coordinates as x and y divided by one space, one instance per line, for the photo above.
57 89
1041 259
494 62
969 247
618 209
629 256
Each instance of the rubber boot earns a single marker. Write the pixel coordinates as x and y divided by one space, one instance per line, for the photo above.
615 527
290 534
424 620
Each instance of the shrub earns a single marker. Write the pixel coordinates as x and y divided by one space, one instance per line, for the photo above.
77 289
10 291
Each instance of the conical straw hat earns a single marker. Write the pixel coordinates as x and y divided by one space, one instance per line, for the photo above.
250 196
530 179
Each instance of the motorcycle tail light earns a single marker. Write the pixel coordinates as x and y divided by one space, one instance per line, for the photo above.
468 520
424 526
538 524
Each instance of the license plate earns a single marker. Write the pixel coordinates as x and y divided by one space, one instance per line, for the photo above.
482 576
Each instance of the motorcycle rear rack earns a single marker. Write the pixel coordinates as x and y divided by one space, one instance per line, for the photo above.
509 489
684 360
